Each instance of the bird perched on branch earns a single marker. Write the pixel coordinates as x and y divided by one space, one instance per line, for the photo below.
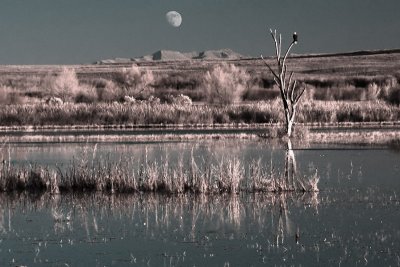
295 37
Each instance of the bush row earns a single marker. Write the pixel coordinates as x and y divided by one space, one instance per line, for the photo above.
220 84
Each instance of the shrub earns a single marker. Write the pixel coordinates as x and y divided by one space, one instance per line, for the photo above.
259 94
9 96
373 91
54 101
179 100
135 82
394 96
342 92
225 84
87 94
153 100
178 81
107 91
46 84
321 82
165 94
129 99
65 85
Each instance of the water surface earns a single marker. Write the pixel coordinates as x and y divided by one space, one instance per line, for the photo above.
351 221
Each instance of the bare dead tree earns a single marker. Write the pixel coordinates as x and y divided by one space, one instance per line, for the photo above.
289 89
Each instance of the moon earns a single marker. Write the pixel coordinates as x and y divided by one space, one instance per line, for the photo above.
174 18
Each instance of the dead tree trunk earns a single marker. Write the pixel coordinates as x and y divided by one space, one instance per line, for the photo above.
290 92
290 167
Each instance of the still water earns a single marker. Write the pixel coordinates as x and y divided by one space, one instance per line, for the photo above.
352 221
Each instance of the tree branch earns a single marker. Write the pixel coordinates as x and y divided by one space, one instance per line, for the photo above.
292 98
278 56
290 77
277 82
287 52
301 93
280 45
269 67
283 75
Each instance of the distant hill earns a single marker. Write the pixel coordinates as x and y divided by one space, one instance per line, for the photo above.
219 54
228 54
168 55
350 54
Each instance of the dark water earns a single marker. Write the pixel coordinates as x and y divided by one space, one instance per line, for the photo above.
352 221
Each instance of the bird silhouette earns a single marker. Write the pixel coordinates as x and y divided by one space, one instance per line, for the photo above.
295 38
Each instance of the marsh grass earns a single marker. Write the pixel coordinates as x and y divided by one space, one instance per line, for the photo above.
158 113
128 175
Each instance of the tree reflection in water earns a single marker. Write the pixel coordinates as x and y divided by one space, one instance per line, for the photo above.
294 181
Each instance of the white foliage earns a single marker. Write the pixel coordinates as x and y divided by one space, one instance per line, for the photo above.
226 83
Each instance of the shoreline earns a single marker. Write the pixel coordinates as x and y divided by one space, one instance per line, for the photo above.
318 133
204 126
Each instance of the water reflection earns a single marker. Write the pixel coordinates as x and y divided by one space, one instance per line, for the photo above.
197 220
171 230
351 221
189 215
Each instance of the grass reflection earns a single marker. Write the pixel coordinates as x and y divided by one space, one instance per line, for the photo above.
193 218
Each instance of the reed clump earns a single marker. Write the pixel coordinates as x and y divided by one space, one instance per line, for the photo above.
34 179
127 175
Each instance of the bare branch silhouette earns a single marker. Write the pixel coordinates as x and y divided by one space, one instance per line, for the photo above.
290 92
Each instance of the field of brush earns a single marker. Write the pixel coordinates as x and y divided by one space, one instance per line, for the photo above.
354 87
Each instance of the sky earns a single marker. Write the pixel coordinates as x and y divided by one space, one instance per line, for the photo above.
84 31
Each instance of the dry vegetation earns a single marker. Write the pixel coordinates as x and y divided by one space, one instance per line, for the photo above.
130 175
350 88
146 113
